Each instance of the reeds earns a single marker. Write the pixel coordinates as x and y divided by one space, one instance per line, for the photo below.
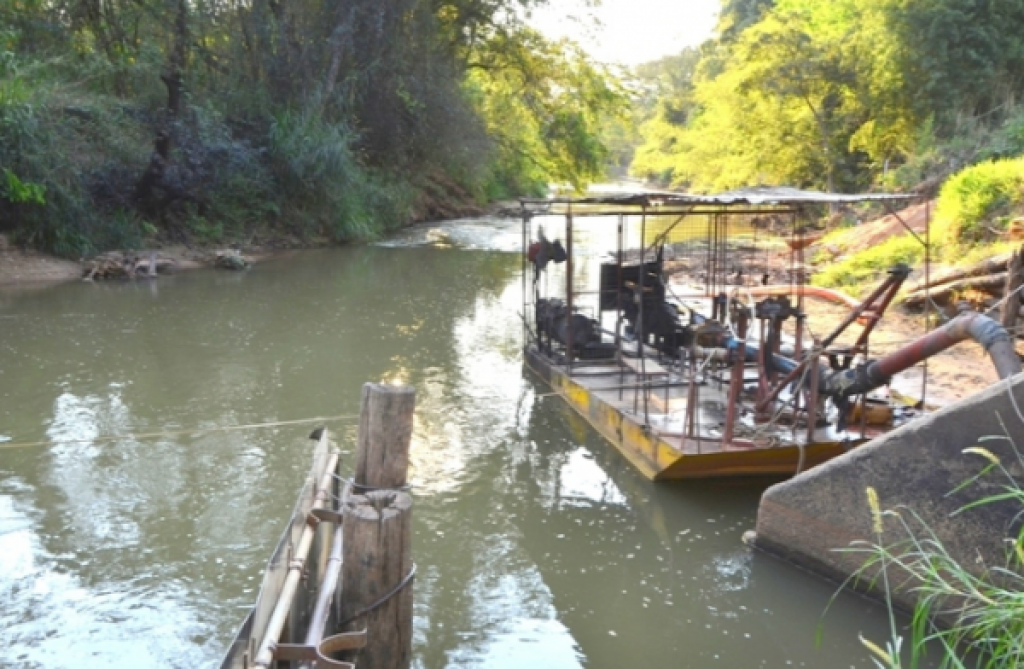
973 615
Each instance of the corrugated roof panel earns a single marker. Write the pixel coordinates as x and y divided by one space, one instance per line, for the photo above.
776 195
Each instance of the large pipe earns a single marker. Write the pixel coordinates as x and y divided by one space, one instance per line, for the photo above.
970 325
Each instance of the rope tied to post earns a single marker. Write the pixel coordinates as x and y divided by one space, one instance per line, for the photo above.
383 600
372 488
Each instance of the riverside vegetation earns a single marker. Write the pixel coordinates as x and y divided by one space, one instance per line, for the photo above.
126 122
850 95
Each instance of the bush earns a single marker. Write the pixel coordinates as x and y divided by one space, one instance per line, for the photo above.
327 189
976 204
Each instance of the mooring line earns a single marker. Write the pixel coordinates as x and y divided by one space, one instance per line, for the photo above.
172 433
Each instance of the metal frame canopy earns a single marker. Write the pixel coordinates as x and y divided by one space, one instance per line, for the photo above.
760 196
602 322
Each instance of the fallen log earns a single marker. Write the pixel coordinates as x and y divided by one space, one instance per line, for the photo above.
116 265
155 265
984 268
944 292
1014 278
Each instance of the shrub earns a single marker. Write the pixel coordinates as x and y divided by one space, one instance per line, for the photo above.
327 189
975 204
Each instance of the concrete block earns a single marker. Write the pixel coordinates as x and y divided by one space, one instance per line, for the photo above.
810 518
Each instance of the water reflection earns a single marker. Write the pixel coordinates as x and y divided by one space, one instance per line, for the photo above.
536 544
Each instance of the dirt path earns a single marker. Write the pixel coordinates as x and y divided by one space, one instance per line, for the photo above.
18 266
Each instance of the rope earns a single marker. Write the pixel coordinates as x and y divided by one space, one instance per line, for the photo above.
1008 296
171 433
372 488
383 600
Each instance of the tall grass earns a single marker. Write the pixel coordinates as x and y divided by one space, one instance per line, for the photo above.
975 619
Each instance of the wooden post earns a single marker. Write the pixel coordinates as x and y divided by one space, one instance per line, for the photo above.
385 429
1014 278
377 565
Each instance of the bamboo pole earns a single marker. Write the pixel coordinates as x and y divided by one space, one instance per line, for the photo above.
986 267
943 292
265 654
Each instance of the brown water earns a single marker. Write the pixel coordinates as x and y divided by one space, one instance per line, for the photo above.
537 545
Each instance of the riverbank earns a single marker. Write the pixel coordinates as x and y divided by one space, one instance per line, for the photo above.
27 266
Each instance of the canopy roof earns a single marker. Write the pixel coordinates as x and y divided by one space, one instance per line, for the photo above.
775 195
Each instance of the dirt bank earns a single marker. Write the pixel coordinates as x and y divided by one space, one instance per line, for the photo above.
25 266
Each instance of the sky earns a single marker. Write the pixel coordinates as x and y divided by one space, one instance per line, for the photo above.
630 31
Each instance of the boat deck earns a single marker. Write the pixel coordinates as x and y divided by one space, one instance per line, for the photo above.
641 405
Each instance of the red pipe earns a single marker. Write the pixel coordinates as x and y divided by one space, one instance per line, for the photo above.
969 325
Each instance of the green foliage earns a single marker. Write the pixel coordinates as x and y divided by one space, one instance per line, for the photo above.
933 158
328 190
208 122
976 204
15 190
866 269
843 94
545 104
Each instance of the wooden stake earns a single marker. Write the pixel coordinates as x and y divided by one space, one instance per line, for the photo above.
378 560
385 430
1014 277
377 564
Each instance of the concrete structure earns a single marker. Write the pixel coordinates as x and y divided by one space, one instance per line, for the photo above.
809 519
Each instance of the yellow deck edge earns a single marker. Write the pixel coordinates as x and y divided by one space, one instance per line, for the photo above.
656 458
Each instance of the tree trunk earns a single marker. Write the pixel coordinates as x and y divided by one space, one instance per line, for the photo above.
174 77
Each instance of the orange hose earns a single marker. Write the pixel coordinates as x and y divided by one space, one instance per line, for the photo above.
814 291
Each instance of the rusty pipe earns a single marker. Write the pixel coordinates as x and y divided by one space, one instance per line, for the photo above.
969 325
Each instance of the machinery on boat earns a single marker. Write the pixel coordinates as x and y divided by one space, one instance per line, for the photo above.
721 371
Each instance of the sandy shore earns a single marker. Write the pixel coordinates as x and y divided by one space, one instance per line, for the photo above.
25 266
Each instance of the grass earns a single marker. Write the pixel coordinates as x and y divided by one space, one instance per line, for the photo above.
858 273
984 611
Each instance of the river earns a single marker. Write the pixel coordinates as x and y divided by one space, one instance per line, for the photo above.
536 545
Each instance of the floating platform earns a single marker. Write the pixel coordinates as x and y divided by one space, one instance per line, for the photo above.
610 395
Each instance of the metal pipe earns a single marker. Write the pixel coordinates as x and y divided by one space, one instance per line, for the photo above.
969 325
265 654
736 382
568 292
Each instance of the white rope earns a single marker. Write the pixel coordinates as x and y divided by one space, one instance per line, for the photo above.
171 433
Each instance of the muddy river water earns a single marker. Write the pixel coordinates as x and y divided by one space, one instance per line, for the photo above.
536 545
